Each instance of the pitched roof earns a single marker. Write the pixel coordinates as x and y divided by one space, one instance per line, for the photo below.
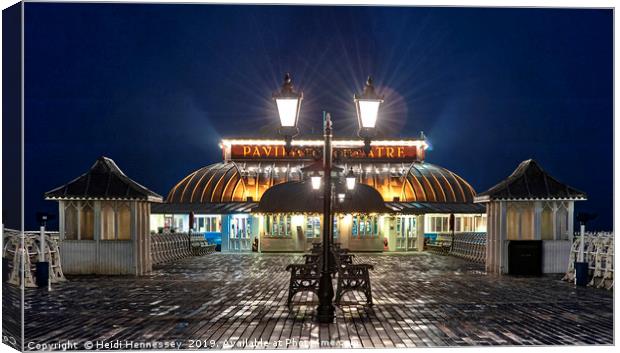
104 180
530 182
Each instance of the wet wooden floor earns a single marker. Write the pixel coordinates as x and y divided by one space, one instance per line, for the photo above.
239 301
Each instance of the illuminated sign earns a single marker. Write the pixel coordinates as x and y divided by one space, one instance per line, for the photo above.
269 152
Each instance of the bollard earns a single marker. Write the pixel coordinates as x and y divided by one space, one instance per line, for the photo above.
43 274
581 273
5 269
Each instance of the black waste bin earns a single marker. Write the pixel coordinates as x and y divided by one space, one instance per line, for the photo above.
525 257
5 269
43 274
581 274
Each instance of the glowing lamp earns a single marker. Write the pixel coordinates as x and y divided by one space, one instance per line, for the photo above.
341 197
316 182
350 179
367 107
289 104
288 109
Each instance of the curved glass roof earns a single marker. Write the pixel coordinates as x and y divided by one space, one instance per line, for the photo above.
239 182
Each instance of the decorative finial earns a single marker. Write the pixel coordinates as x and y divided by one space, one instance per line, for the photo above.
287 88
287 85
369 91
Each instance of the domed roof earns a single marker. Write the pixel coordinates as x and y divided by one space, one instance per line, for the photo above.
416 182
432 183
220 182
234 182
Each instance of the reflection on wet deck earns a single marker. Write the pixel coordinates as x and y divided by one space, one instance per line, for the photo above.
233 300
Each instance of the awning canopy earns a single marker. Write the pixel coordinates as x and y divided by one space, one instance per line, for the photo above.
298 196
103 181
434 207
530 182
203 208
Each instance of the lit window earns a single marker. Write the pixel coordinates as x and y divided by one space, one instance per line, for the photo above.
280 226
365 226
107 221
124 221
208 224
335 230
437 223
313 227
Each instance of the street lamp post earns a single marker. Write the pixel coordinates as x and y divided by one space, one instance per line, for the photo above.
367 108
325 311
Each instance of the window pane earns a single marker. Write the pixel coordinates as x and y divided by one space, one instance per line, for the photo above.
361 226
336 230
71 222
546 224
107 221
375 225
87 222
124 222
562 224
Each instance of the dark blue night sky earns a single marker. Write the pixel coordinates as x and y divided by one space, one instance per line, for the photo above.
156 86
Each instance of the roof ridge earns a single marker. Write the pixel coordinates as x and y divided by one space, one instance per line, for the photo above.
103 166
507 188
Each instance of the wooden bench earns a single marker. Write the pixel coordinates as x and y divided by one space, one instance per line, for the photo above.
438 247
304 278
350 277
353 277
200 246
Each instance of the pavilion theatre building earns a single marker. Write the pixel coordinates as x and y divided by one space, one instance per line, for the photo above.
260 197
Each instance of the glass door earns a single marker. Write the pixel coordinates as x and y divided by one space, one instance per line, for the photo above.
406 233
411 232
239 233
401 244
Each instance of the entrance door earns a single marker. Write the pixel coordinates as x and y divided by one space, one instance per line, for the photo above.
406 233
239 234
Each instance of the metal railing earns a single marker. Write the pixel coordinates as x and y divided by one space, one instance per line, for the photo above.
470 246
23 250
599 254
174 246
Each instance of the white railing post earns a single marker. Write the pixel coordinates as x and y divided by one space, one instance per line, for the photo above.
42 243
581 243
